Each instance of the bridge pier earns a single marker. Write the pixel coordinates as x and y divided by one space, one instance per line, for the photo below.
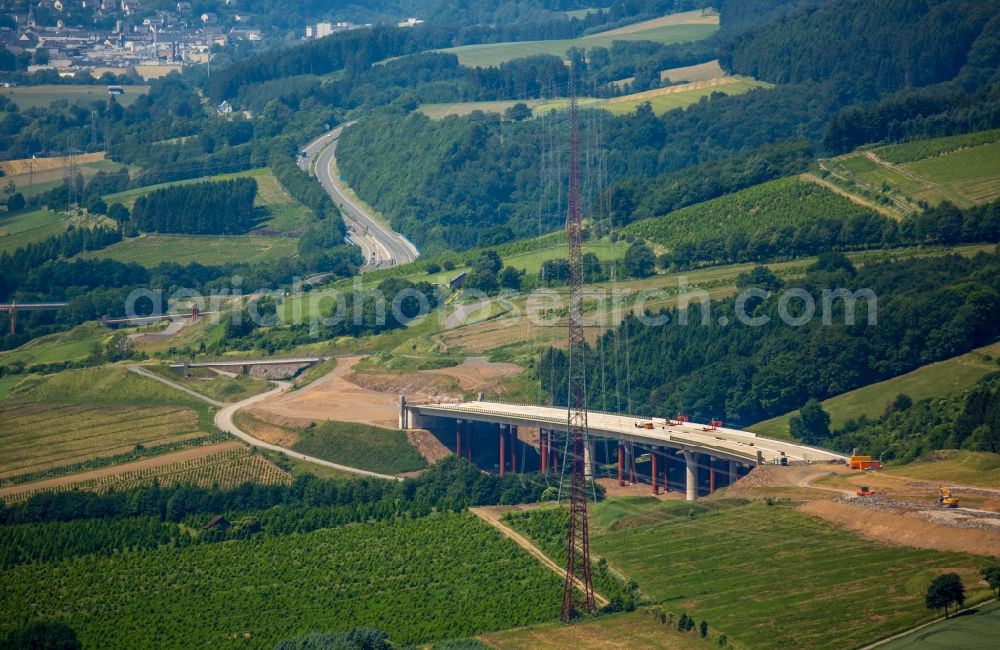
503 454
631 463
513 448
621 464
469 430
654 472
691 483
666 471
543 448
734 471
458 438
711 474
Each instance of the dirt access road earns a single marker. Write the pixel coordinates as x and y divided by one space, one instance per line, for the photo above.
491 515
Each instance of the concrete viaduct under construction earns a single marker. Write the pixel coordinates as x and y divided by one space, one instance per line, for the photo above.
669 454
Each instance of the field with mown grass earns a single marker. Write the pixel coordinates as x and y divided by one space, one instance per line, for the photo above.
975 630
41 441
660 99
677 28
963 169
767 575
152 250
25 227
978 468
41 96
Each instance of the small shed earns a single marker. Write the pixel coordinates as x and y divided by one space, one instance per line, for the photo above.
458 281
217 521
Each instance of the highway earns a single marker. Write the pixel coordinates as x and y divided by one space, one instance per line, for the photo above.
381 246
721 442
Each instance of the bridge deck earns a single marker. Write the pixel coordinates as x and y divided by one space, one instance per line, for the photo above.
722 442
235 363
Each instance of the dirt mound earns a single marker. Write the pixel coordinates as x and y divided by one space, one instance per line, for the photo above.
478 373
759 477
906 529
417 386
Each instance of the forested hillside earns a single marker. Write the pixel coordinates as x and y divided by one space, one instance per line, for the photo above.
885 45
968 420
494 173
927 309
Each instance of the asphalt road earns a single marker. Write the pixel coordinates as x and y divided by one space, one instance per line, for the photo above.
224 421
381 246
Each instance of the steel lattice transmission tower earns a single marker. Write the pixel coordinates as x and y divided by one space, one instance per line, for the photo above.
578 537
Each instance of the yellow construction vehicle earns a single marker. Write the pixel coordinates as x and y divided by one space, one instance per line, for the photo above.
945 498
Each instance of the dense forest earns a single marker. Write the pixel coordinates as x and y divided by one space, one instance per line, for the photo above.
210 208
717 366
896 43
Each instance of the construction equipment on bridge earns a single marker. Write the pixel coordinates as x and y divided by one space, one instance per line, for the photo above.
945 497
578 537
864 491
864 462
713 425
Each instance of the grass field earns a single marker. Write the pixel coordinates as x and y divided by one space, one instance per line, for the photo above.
26 227
965 177
386 451
277 211
151 250
620 631
278 214
7 384
111 386
699 72
532 262
932 380
206 381
974 630
445 576
72 345
678 28
661 99
963 169
41 96
977 468
769 576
